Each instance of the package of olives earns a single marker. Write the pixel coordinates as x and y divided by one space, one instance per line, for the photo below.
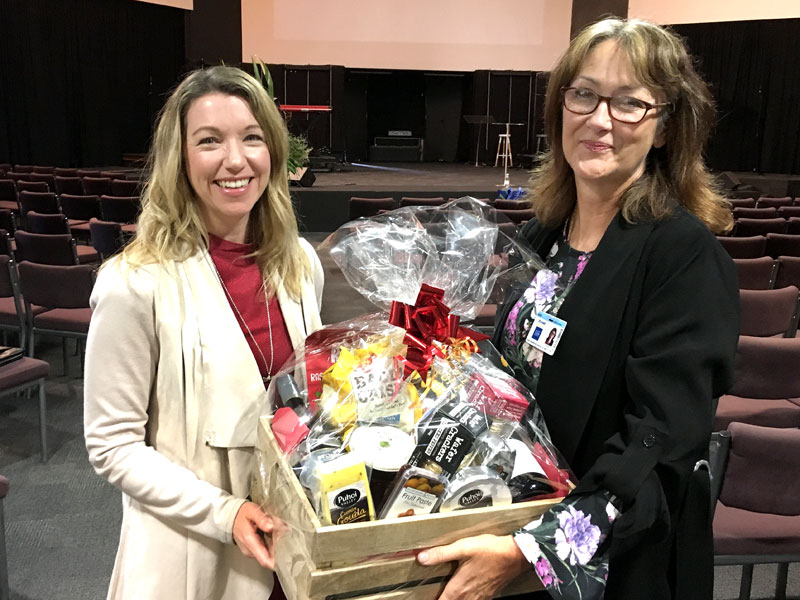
416 491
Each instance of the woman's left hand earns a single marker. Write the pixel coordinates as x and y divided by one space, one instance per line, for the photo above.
486 564
250 521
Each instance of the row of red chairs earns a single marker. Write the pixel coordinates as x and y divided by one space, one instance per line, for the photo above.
766 273
771 212
77 208
764 202
62 171
755 246
10 187
746 227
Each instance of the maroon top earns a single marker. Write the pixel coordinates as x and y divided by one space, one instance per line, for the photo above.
243 280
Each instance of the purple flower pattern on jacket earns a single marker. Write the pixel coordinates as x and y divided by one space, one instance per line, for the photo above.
567 548
577 538
546 292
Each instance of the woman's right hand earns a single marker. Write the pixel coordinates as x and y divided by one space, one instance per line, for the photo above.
250 521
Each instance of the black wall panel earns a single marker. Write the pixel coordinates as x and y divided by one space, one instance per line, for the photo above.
355 109
443 110
754 74
214 32
81 81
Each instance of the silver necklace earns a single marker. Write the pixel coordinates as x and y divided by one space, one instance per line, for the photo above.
268 376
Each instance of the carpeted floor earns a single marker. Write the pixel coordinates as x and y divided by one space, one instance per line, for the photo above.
62 521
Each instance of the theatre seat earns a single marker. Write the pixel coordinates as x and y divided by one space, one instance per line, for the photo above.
766 388
757 518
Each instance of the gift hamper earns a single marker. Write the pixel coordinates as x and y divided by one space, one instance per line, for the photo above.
404 429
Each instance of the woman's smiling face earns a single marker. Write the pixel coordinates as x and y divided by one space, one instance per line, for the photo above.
227 162
607 155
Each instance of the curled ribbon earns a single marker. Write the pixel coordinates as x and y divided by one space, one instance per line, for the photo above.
427 321
460 349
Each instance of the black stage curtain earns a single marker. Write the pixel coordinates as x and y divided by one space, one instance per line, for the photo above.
754 71
81 80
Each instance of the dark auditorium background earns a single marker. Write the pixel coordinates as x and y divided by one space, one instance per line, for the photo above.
82 80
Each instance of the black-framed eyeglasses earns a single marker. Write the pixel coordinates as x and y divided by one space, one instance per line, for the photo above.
626 109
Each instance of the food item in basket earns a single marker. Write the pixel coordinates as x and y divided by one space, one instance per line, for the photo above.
492 393
445 439
416 492
475 487
528 479
491 450
385 451
292 421
382 396
344 491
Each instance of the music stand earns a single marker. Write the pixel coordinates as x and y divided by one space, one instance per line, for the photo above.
479 120
504 150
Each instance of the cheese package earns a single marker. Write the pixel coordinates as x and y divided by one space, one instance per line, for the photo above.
344 491
475 487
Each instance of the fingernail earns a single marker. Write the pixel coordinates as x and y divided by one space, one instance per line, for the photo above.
422 557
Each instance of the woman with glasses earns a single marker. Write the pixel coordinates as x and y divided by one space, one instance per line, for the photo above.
625 216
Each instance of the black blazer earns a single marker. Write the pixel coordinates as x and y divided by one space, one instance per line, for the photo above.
652 326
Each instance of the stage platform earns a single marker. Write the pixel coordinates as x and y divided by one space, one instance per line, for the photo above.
324 206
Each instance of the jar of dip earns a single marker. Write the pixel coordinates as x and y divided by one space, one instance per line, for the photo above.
385 450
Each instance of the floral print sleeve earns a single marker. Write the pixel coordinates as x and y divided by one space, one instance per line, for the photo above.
546 293
568 546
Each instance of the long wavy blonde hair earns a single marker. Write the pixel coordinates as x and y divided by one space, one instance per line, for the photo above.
170 226
674 172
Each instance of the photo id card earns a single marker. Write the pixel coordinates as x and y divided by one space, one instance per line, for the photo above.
546 332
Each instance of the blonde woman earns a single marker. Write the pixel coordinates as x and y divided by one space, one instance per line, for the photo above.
625 216
189 324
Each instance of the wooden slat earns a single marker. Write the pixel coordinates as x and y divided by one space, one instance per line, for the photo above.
377 574
420 592
396 572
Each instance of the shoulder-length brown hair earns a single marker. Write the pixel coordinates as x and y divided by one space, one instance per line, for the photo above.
170 226
674 172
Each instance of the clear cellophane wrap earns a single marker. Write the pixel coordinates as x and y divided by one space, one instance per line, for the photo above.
406 413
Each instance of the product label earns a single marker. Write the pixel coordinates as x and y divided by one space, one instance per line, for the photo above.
474 499
379 390
410 502
495 397
470 417
349 505
443 442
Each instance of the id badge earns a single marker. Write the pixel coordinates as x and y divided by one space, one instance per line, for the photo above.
546 332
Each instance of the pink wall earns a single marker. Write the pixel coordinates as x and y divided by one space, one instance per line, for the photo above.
675 12
449 35
185 4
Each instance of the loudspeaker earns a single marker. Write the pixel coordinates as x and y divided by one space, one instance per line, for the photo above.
302 177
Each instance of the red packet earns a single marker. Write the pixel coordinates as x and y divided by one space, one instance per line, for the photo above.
496 397
321 351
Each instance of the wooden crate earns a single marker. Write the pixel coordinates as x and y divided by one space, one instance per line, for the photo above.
369 560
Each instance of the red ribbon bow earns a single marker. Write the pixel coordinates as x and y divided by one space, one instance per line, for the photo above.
427 321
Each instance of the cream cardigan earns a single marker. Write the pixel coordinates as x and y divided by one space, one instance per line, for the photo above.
172 398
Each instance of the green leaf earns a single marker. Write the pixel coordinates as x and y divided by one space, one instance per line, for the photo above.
264 77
